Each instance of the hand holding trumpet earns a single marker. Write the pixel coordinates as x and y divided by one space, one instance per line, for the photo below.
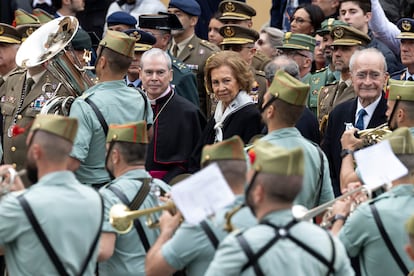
10 179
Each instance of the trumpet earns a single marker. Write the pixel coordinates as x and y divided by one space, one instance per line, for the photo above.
228 227
121 217
301 213
12 174
375 135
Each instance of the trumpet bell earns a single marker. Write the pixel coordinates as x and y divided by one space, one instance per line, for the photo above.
47 41
299 211
118 218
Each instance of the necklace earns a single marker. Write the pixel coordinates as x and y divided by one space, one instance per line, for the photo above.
163 106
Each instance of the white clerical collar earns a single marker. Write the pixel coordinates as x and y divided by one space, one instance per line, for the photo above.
154 101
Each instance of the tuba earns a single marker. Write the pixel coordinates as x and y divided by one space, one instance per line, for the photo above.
49 46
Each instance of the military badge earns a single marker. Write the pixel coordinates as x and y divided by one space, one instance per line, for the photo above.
229 7
338 32
229 32
136 35
406 25
330 23
315 92
316 80
3 99
38 103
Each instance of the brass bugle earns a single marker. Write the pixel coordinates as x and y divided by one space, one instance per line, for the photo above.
375 135
300 212
121 218
228 226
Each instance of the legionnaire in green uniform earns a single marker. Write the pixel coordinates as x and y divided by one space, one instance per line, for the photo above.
193 246
189 48
271 247
328 74
283 105
346 41
108 102
161 25
124 254
409 247
241 39
68 214
23 95
374 232
300 48
240 13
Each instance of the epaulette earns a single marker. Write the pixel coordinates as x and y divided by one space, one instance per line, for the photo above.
18 70
212 47
260 73
398 75
180 65
331 83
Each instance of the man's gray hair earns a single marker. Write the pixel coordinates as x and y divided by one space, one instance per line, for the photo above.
154 53
281 63
358 53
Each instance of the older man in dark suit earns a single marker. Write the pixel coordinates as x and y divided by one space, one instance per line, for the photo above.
369 74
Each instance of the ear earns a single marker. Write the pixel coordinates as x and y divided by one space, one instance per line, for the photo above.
308 63
37 151
193 21
409 250
115 157
259 193
368 16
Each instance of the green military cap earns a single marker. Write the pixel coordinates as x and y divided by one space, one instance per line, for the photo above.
328 24
229 149
42 15
349 36
8 34
295 41
409 226
406 26
119 42
289 89
236 34
22 17
81 41
235 10
401 141
272 159
62 126
401 90
131 132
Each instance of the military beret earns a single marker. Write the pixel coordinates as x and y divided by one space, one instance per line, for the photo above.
161 21
143 40
42 15
81 40
295 41
289 89
406 26
236 34
409 225
229 149
401 141
119 42
268 158
62 126
401 90
131 132
121 17
8 34
190 7
349 36
235 10
328 24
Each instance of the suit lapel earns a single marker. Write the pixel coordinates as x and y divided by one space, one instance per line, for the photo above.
379 117
189 48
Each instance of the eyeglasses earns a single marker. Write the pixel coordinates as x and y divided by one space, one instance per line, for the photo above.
235 47
299 20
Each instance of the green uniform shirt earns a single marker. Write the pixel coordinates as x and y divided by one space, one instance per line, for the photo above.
319 79
284 257
69 214
190 246
118 104
361 237
129 254
309 196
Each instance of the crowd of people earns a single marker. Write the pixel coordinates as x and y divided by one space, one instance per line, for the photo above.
152 94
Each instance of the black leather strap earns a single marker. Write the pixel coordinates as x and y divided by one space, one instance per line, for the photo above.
321 173
250 255
48 247
387 240
98 115
137 223
210 234
42 237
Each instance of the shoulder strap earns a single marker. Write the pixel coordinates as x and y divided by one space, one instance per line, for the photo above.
98 115
387 240
42 237
145 103
210 234
321 174
137 223
250 255
95 242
